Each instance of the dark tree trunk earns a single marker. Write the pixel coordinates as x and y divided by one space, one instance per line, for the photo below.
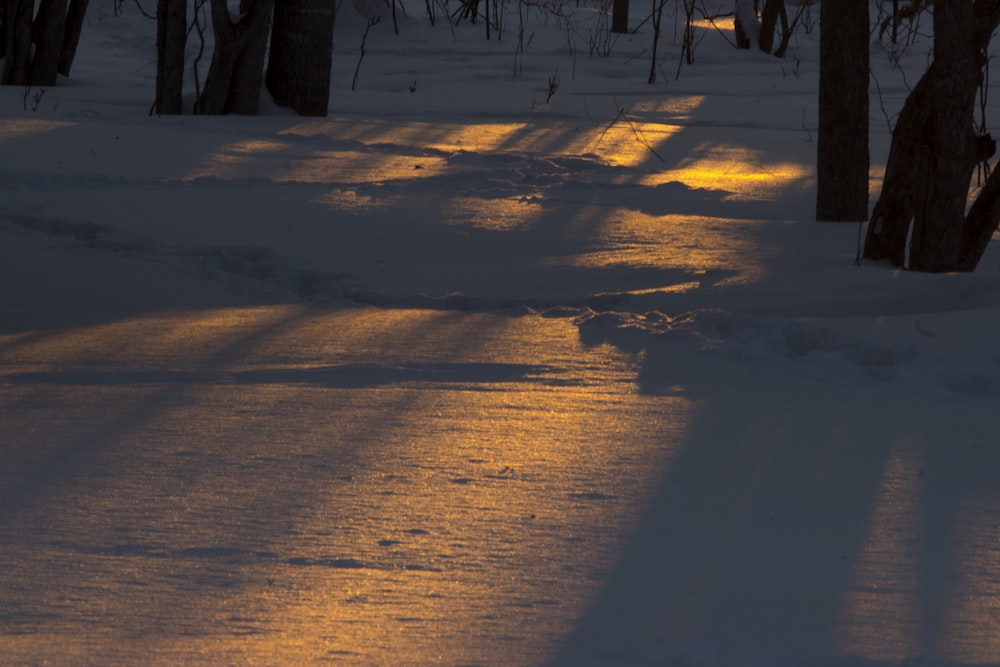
934 152
235 74
301 55
980 224
17 55
842 145
619 16
248 70
36 52
907 177
49 28
71 38
171 39
769 15
937 227
743 40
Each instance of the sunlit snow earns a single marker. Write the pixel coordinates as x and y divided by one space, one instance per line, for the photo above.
457 375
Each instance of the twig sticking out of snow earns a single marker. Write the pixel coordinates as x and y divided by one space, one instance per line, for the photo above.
640 136
372 22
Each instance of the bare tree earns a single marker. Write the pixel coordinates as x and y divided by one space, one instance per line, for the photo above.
171 38
842 143
619 16
38 46
71 34
17 60
772 11
934 151
301 55
237 69
750 31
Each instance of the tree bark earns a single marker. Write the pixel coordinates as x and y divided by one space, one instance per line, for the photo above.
37 51
71 37
235 73
248 70
934 152
47 34
745 23
907 177
619 17
301 55
769 15
937 230
171 39
842 157
17 55
980 224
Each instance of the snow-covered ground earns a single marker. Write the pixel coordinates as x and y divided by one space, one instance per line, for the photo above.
466 374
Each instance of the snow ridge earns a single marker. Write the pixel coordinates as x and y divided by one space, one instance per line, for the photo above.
239 264
820 349
907 356
264 271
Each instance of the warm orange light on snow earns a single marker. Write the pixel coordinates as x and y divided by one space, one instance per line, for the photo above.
888 612
18 128
357 151
289 485
502 214
881 612
638 134
746 175
446 137
971 619
257 159
700 245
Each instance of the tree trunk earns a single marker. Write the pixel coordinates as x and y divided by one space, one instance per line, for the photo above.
934 152
745 23
937 232
248 70
232 84
619 17
842 145
907 177
37 51
301 55
769 15
49 28
71 37
171 39
17 55
981 223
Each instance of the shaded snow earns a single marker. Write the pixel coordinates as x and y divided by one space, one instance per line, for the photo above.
456 376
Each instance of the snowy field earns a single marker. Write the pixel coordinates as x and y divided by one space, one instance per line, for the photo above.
471 374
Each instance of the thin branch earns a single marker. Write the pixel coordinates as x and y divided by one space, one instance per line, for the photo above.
143 11
636 130
621 112
364 38
881 102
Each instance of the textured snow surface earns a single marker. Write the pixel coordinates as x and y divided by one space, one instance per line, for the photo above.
456 376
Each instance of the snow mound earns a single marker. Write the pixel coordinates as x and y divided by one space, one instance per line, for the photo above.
912 352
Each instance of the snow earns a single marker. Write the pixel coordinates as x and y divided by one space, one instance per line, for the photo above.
746 15
458 376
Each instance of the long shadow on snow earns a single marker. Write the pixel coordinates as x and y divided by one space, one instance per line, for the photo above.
47 470
782 532
347 376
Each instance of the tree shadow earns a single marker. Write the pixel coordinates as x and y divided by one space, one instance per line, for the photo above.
799 523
